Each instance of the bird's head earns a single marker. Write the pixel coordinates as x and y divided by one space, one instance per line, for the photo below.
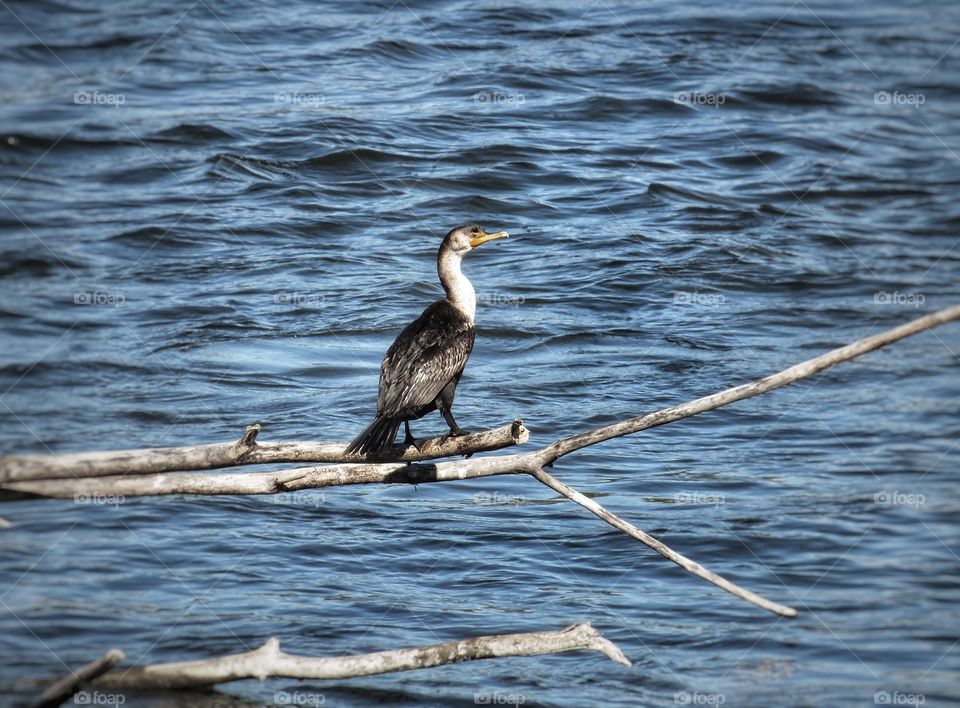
464 239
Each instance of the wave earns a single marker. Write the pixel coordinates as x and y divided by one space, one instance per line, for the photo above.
780 94
192 134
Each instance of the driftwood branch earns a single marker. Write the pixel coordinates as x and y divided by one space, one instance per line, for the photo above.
113 490
99 489
662 548
245 451
269 662
749 390
119 487
394 472
66 469
68 685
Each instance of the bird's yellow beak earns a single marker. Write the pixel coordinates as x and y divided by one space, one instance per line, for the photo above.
483 238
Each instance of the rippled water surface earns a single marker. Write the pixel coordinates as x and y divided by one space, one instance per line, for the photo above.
219 213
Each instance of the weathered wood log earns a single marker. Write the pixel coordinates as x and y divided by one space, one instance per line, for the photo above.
245 451
269 662
68 685
117 488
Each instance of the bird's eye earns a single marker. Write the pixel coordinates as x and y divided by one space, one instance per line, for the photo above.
475 229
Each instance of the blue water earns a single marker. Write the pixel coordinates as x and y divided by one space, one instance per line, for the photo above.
219 213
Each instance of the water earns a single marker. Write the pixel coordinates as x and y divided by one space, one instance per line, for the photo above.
215 214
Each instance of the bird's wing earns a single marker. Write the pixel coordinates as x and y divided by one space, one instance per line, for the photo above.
431 351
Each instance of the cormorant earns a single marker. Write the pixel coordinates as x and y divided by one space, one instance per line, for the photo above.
420 370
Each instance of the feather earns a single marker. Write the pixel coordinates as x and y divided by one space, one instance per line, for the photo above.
429 353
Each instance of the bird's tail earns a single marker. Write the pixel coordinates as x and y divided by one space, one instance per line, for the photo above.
376 437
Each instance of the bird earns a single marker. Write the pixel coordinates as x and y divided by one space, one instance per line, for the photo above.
421 369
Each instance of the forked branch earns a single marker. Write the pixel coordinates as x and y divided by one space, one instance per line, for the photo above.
532 463
112 466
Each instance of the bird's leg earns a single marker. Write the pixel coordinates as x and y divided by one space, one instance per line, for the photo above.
408 438
455 430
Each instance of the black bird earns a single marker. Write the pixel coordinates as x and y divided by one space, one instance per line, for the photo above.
421 369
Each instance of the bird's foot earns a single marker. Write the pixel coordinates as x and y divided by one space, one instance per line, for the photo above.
410 440
454 433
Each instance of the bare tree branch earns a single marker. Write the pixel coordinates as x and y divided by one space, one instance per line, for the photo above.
68 685
118 487
246 451
114 490
94 489
748 390
269 662
661 547
530 462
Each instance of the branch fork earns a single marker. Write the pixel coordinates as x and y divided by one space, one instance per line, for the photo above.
129 473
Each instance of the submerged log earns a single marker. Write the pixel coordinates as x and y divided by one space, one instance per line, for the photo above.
68 685
269 662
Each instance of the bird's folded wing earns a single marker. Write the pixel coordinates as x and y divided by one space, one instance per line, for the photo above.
431 351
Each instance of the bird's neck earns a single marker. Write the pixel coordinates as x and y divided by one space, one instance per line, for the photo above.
459 291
